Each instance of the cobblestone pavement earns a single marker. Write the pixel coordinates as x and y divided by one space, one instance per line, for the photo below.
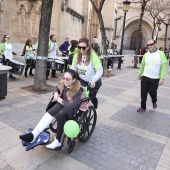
122 140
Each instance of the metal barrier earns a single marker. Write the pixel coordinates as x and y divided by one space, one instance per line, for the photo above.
137 59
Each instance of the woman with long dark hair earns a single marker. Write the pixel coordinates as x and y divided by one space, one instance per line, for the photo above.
71 51
29 54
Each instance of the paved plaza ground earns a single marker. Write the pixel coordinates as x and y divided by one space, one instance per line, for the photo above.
122 140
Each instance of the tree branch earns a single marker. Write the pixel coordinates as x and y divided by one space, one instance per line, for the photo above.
94 6
101 4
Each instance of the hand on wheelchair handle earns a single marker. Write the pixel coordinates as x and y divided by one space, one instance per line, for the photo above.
92 84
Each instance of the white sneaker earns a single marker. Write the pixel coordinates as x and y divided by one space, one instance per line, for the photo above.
55 144
97 111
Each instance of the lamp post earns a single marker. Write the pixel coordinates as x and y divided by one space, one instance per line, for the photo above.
158 24
126 5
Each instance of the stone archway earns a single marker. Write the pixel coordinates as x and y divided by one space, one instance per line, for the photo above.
134 37
130 36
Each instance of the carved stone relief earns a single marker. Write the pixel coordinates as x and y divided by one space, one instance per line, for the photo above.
33 22
28 17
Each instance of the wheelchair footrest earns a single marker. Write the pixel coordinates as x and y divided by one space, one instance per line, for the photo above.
41 139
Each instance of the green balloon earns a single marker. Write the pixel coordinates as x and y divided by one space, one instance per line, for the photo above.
71 128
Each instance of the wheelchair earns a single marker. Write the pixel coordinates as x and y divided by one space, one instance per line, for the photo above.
85 119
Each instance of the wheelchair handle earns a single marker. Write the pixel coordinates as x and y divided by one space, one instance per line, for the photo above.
85 99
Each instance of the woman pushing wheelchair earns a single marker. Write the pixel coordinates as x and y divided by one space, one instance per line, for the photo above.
68 95
89 68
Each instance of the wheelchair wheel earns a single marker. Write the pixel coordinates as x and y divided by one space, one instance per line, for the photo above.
53 126
87 124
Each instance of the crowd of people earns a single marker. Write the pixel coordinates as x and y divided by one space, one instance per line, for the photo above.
84 68
67 49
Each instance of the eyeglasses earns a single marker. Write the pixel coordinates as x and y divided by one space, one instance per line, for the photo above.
150 44
83 48
67 79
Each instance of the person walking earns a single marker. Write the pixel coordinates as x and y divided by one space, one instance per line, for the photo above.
140 52
71 51
6 50
95 45
89 68
152 74
52 50
114 52
64 49
29 55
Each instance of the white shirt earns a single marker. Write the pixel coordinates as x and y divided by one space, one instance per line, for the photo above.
86 72
30 54
152 65
52 54
8 51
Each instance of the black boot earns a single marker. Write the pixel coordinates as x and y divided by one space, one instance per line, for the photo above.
26 69
30 73
28 137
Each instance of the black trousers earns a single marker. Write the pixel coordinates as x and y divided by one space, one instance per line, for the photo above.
62 113
109 63
28 65
93 91
150 86
53 73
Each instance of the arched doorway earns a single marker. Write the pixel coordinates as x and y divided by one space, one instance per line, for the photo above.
134 37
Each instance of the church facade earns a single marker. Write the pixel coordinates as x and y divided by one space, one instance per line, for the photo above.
75 19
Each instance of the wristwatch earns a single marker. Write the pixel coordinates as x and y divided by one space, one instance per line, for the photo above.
62 102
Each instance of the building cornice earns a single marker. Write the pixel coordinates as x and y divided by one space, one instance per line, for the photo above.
74 13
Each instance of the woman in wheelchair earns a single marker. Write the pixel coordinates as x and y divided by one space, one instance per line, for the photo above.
68 95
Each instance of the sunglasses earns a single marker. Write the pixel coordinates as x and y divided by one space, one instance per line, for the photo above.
83 48
150 44
67 79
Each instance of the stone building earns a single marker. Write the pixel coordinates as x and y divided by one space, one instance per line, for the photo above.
113 16
21 19
132 25
75 19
